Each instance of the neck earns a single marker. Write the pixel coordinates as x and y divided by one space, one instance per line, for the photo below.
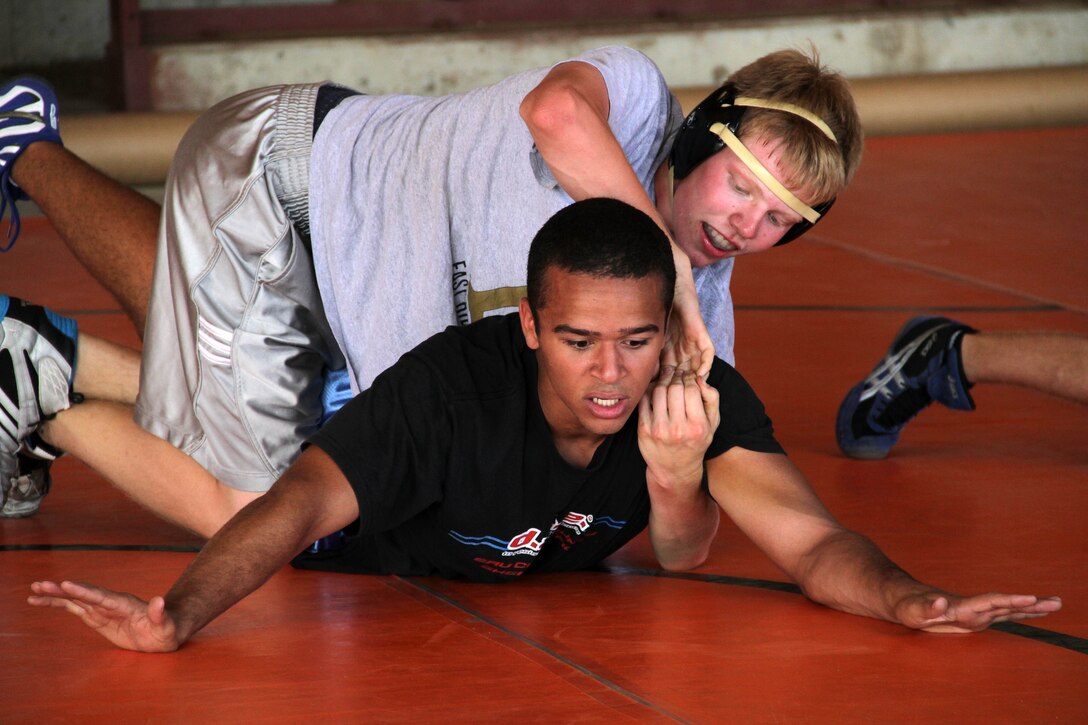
577 450
573 442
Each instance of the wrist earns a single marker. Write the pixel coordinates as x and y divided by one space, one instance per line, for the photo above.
901 590
679 504
178 612
688 483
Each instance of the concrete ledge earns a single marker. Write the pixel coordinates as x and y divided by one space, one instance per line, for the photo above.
977 101
136 148
193 76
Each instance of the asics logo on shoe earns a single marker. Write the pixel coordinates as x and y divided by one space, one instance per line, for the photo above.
893 365
23 103
31 124
23 98
887 371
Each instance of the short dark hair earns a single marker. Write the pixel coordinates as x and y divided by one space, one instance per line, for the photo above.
600 238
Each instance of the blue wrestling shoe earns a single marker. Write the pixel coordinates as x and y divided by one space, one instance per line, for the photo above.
922 365
37 364
28 113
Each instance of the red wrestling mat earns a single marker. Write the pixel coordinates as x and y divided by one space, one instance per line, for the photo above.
988 228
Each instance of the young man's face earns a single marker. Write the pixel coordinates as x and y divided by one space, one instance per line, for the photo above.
598 340
721 209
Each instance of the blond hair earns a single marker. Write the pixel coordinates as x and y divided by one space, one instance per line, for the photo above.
815 164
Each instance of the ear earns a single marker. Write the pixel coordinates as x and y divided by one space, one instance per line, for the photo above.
528 325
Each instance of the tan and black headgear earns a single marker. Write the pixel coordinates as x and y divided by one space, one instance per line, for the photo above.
716 122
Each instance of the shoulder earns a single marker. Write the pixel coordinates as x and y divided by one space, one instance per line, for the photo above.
627 72
734 391
617 56
487 357
744 420
459 371
727 378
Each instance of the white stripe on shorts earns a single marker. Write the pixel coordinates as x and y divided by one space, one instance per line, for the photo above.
214 343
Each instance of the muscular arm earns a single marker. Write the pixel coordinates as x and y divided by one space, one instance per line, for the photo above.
682 524
311 500
677 419
773 504
567 116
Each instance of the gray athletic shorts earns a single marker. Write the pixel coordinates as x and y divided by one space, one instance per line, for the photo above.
236 340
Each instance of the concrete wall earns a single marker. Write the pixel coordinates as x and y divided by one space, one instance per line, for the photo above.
195 76
40 32
192 77
48 31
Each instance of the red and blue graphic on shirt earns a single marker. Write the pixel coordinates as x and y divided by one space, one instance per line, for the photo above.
565 532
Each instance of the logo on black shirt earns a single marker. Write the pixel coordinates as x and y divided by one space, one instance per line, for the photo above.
532 540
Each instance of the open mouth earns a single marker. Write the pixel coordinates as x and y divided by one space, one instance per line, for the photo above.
608 408
718 240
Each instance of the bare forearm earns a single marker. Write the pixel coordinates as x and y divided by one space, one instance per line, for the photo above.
770 500
312 499
846 571
682 526
249 549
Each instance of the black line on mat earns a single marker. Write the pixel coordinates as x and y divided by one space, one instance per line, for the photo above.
1068 641
1045 636
538 646
1037 634
101 547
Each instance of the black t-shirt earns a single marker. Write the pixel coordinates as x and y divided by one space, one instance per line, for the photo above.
456 472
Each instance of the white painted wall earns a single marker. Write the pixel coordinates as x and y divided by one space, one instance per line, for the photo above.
191 77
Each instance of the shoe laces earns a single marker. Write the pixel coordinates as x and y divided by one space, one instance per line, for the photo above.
8 187
14 223
7 201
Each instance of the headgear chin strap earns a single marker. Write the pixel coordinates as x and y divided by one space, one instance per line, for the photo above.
715 124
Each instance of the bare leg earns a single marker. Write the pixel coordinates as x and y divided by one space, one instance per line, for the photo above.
107 371
1053 363
102 433
155 474
110 228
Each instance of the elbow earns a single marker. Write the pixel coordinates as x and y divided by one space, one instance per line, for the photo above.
682 560
681 548
550 109
684 564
